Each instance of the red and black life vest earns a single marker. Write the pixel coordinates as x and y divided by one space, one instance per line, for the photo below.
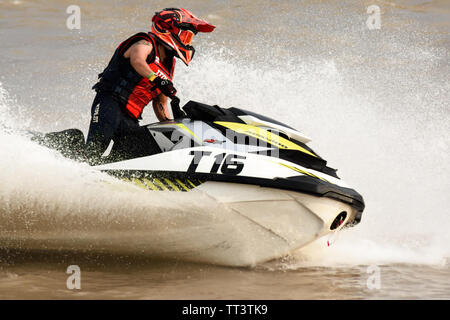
128 87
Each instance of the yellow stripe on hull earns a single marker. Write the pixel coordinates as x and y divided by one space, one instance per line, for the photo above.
163 184
182 185
172 185
302 171
265 135
150 184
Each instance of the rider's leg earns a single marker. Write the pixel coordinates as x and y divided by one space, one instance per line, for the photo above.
105 121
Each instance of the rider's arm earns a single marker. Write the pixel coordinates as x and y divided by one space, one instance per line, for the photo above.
161 107
138 54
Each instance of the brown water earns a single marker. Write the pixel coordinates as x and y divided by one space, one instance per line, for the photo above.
375 102
134 278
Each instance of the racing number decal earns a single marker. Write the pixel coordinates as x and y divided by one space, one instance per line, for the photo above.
198 155
228 164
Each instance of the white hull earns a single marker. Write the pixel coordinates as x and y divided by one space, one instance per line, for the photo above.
245 226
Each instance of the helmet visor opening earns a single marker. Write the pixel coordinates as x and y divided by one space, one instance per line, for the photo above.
186 37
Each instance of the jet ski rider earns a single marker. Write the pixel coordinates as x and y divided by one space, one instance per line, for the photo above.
141 70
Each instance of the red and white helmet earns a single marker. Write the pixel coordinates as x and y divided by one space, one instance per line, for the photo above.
176 29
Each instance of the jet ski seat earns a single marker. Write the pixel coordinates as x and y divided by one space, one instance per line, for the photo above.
69 142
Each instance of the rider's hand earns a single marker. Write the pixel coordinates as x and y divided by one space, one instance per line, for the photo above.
165 86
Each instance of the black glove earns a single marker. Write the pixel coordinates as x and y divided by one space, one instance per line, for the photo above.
165 86
176 111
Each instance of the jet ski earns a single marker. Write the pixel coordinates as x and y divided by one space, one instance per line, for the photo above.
261 170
